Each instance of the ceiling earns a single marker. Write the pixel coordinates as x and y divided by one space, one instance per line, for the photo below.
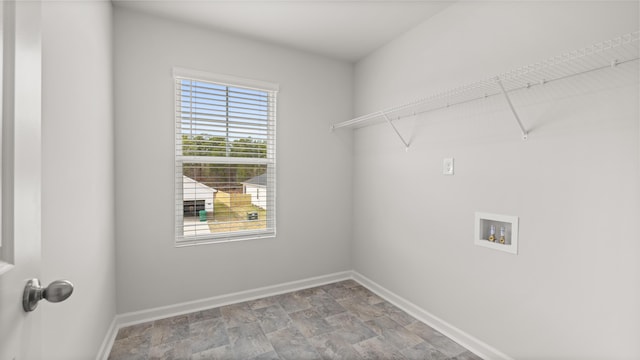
342 29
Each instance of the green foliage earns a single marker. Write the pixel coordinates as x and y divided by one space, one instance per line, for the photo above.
204 146
222 176
201 145
249 147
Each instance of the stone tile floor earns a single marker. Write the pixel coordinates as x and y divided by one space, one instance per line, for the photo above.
343 320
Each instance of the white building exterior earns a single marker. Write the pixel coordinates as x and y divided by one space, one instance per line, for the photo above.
257 187
197 195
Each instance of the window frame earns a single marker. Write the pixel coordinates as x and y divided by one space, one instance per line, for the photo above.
270 161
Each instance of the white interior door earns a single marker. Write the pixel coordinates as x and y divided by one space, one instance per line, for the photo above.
20 249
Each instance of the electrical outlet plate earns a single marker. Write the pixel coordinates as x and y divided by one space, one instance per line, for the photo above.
447 166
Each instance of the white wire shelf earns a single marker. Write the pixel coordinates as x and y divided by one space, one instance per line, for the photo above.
606 54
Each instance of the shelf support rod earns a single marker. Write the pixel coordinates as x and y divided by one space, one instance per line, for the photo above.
406 144
525 132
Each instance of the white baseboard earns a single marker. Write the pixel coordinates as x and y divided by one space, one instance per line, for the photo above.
478 347
137 317
107 343
123 320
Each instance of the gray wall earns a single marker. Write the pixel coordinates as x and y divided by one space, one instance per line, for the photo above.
313 165
77 175
574 288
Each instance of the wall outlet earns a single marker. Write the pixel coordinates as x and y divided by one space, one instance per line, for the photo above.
447 166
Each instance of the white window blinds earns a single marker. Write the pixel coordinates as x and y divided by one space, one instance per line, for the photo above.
225 158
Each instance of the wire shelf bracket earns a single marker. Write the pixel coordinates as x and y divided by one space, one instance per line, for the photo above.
608 54
525 132
406 143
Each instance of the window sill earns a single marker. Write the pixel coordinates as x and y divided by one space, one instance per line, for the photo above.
208 240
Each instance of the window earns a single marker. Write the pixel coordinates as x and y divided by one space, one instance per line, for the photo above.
225 150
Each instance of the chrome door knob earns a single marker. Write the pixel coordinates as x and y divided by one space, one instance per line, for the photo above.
57 291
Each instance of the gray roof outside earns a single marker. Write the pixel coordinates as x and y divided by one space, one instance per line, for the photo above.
258 180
